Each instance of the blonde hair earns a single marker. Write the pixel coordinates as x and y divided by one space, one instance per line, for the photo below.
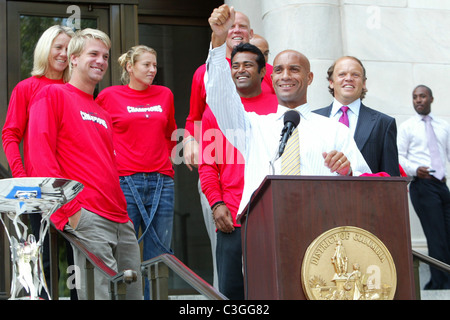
43 47
131 57
77 44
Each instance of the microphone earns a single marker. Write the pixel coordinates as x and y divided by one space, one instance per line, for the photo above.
291 121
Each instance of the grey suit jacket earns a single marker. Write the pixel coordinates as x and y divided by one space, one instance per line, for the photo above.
376 138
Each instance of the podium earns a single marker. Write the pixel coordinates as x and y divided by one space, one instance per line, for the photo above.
287 213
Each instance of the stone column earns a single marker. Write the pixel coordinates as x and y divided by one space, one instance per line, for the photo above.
311 27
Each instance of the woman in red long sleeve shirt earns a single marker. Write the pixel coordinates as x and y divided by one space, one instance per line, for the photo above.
50 66
143 123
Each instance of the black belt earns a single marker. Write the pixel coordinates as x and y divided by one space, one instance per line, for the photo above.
430 177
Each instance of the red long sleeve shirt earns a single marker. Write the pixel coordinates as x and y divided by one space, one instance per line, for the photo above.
222 166
143 123
70 136
15 127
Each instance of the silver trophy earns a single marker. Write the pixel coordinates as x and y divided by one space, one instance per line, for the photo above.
42 196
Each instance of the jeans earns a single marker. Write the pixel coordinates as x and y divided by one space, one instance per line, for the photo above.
150 205
114 243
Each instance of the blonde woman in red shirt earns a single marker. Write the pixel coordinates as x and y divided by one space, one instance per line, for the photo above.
143 123
50 66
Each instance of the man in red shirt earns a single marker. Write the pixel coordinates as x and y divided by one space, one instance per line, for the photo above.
240 32
70 136
222 167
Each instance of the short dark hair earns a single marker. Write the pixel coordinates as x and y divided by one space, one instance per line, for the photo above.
247 47
426 88
331 70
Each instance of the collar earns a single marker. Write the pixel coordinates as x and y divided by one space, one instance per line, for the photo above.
304 110
354 107
419 117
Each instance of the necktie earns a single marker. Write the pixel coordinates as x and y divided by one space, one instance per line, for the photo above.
290 160
436 162
344 117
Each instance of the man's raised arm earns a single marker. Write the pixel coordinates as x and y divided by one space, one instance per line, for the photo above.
221 94
221 20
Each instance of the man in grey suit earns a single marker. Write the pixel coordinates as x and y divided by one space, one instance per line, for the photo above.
375 133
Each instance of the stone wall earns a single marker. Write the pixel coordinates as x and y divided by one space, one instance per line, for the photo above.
402 43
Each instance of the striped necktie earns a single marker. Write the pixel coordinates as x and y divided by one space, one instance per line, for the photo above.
290 160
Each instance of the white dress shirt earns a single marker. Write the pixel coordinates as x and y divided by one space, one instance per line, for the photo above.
257 137
412 144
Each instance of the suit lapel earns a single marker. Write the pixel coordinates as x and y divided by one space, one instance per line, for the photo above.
328 110
365 125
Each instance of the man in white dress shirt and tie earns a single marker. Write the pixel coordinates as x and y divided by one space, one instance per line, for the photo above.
429 193
326 147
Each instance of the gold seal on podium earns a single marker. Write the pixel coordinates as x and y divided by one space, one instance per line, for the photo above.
348 263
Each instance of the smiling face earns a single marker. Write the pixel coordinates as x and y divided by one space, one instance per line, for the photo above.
347 80
291 77
143 72
239 32
245 74
89 67
57 58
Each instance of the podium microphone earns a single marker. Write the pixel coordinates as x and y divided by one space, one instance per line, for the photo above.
291 121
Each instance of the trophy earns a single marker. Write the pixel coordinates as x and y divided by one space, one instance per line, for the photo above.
43 196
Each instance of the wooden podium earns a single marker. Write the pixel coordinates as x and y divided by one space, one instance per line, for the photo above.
287 213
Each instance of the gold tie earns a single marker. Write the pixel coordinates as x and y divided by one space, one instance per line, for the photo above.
290 160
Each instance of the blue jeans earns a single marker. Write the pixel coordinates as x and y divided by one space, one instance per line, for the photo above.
150 205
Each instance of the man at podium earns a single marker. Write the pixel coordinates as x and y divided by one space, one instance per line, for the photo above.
324 147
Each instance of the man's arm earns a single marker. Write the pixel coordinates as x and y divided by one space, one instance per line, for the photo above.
197 105
209 172
403 146
221 94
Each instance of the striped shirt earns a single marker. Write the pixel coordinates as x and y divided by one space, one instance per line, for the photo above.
257 136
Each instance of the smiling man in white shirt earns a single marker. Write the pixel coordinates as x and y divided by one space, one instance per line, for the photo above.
326 147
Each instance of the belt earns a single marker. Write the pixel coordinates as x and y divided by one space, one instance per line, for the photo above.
430 177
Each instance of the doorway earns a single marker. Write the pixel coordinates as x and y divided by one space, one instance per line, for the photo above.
181 50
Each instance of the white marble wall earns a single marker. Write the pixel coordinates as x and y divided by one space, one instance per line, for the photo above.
402 43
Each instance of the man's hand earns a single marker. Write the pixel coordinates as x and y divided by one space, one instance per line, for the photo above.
423 172
74 219
223 219
337 162
221 20
190 152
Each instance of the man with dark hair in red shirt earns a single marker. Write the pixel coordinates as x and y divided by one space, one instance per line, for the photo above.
222 167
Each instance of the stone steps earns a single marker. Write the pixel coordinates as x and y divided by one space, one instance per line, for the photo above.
424 276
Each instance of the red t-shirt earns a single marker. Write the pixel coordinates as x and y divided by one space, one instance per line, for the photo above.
198 98
15 127
143 123
222 166
70 136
